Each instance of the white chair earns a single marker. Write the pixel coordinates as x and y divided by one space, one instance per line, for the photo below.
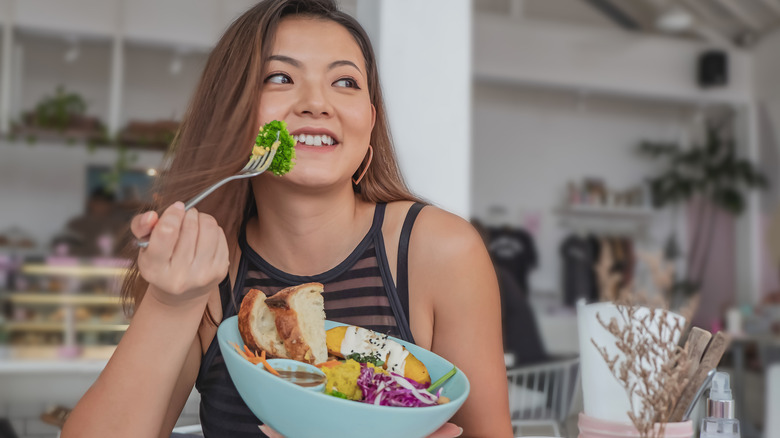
542 394
771 419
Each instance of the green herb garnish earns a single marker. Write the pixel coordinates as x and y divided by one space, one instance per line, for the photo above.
285 153
335 393
366 358
442 380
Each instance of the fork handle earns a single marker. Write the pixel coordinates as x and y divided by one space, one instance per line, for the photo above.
144 241
199 197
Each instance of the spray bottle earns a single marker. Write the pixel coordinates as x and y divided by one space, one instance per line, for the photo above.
719 421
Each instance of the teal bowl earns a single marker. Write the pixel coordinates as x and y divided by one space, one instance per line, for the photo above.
297 412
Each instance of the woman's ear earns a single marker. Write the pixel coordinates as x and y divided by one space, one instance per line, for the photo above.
373 116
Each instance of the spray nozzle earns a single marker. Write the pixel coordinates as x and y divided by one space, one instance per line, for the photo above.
720 389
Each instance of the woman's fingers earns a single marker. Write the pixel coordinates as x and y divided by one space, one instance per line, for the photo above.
142 224
166 233
204 270
222 255
270 432
449 430
184 252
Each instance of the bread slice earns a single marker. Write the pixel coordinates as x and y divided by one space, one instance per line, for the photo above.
257 326
300 320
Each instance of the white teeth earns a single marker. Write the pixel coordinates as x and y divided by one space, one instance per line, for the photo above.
314 140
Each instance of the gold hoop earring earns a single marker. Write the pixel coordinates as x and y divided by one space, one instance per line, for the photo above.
363 173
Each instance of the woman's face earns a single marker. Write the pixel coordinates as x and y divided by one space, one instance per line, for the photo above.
316 81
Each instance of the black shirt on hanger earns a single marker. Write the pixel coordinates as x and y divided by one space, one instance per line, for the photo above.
513 249
579 278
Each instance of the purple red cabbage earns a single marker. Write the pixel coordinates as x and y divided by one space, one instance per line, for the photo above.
391 390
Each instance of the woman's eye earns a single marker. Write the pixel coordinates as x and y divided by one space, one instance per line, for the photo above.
347 82
278 78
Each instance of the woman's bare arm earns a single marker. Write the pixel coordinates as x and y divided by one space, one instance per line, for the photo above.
452 276
186 259
183 388
133 393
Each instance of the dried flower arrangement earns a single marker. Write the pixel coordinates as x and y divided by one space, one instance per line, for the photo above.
654 369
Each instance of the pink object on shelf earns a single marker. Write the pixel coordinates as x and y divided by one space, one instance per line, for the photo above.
62 261
110 262
594 428
69 351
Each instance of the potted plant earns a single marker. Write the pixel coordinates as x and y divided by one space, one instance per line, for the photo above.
714 176
62 116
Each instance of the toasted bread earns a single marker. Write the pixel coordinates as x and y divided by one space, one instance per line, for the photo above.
257 326
300 321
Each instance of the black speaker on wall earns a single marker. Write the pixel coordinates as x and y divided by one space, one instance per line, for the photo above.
713 69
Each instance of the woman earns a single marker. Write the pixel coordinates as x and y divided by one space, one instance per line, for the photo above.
342 217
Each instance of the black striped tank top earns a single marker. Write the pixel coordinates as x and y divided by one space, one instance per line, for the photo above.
358 291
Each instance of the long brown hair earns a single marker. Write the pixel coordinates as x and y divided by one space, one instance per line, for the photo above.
222 115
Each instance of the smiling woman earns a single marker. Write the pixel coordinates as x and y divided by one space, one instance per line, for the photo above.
342 217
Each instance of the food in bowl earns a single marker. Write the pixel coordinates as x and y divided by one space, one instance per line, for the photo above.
365 366
375 347
288 325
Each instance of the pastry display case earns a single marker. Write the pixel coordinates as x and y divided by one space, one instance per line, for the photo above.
61 307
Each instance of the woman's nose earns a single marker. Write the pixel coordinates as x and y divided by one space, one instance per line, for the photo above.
314 102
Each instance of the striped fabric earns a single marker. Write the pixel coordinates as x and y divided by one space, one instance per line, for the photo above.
358 291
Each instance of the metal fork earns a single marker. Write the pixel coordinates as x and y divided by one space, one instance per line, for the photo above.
257 164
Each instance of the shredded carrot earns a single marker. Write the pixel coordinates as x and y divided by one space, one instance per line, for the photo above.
267 365
248 355
328 364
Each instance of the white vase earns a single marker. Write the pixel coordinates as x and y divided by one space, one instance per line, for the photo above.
604 397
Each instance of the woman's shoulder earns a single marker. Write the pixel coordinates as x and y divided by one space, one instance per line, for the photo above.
437 232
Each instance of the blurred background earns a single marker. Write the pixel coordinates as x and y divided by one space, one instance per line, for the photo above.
634 135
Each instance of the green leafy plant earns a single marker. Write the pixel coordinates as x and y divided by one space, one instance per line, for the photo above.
59 111
712 174
124 161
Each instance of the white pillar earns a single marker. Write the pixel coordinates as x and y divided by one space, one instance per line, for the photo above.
117 73
749 224
424 51
17 80
7 11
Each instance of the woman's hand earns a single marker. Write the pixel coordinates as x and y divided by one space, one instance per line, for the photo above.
187 254
449 430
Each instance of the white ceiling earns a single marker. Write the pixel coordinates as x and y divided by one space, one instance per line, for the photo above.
727 22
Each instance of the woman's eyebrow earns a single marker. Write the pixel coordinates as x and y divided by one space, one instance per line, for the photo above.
335 64
295 63
285 59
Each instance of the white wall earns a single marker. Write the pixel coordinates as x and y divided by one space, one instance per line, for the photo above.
529 144
557 143
43 185
150 91
425 68
599 59
767 91
186 23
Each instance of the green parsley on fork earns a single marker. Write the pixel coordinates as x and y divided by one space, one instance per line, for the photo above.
262 159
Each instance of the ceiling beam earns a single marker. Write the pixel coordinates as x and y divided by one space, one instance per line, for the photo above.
706 15
614 13
700 27
774 5
706 24
516 8
737 9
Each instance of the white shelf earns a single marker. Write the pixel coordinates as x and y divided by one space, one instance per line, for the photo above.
638 213
38 298
74 271
58 326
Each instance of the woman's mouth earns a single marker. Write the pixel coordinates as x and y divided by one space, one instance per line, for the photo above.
314 140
